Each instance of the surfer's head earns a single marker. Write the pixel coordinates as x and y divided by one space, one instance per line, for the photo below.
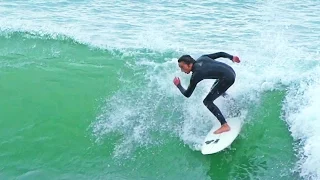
186 63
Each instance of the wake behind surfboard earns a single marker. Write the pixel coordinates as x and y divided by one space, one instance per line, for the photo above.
214 143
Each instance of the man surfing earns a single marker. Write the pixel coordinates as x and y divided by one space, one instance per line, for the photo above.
206 67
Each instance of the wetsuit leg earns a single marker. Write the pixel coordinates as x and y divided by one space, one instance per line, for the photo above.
214 84
218 88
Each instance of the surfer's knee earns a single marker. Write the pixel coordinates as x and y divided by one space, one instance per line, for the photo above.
207 102
211 106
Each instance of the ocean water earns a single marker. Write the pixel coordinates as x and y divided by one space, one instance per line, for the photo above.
86 89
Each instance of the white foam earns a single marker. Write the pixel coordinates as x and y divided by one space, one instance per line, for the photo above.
301 112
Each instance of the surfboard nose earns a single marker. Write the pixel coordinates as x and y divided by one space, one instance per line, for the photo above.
214 143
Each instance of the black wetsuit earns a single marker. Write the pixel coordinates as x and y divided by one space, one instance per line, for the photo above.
206 67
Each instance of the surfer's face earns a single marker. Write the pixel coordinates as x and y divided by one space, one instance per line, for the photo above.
186 68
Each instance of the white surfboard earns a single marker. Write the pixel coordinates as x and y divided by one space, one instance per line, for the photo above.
214 143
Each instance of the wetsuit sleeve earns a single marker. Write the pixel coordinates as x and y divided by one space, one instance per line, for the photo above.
193 83
219 55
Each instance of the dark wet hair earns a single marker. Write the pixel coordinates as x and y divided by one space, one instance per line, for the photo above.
186 59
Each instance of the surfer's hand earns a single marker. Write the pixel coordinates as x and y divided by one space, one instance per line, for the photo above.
176 81
236 59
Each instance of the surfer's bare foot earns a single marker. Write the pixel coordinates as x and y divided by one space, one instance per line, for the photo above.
224 128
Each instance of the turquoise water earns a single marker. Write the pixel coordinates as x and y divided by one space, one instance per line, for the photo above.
86 89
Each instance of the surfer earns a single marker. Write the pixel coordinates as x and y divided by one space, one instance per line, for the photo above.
206 67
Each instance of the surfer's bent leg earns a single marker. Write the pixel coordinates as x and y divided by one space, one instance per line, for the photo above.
218 88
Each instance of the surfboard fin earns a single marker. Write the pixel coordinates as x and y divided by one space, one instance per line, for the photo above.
212 141
208 142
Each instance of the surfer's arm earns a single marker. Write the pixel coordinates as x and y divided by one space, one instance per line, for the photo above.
220 55
193 83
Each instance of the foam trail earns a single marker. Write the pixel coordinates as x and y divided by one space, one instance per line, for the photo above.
138 112
301 112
